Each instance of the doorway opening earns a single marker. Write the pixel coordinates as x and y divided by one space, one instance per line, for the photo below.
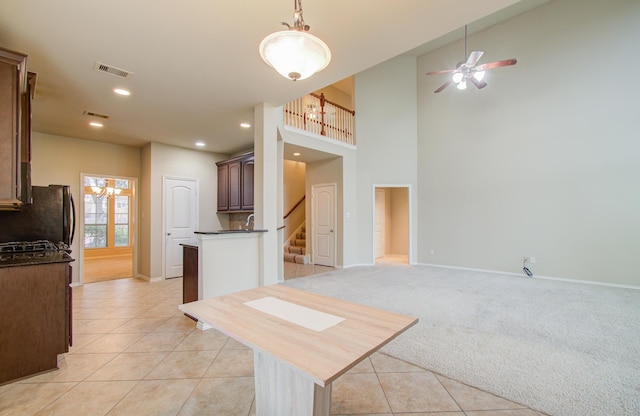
391 243
107 228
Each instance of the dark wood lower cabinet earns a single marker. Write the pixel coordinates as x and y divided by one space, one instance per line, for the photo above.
189 274
35 318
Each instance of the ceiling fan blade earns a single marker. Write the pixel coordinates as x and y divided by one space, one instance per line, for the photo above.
479 84
497 64
443 86
474 57
446 71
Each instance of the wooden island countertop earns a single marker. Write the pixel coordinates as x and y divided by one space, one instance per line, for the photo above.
321 355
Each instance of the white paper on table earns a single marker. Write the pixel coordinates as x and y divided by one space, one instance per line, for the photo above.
296 314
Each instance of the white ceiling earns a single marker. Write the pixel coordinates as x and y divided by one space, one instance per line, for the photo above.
197 70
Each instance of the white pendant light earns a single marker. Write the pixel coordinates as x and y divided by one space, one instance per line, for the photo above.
294 53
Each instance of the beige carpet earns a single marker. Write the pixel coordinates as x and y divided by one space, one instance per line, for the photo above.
565 349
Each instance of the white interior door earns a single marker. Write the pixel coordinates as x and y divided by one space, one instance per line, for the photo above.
323 214
380 237
180 221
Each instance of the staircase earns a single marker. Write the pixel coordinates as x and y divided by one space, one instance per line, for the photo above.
295 251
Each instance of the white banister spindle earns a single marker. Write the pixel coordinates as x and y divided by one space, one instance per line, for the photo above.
305 113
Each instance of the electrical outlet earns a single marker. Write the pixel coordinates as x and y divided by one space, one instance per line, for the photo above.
532 260
432 252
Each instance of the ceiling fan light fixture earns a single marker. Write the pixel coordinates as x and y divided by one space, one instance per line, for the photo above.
478 75
294 53
469 70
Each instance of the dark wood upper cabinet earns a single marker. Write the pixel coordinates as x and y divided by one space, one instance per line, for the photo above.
223 187
247 185
235 184
25 140
235 173
13 75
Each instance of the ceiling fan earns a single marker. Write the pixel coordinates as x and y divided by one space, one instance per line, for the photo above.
469 71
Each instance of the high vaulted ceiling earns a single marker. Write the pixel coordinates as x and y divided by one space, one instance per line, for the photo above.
197 73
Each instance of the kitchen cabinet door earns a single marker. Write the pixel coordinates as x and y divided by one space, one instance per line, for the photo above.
12 87
223 187
247 185
235 202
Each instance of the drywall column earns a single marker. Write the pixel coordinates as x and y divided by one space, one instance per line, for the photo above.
266 190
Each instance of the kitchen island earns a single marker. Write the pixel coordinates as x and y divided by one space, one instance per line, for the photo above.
228 261
302 342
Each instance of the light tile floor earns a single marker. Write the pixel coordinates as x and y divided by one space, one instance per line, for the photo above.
135 353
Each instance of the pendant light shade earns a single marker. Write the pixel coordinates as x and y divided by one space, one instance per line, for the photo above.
295 53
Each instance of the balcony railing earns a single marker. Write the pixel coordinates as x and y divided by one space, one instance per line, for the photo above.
318 115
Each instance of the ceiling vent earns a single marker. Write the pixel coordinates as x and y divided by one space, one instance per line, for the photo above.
92 114
108 69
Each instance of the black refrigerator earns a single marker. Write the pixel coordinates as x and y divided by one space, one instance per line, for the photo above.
50 217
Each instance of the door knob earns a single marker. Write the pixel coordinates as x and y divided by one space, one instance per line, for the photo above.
168 233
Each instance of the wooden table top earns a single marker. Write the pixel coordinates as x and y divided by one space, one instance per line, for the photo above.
321 355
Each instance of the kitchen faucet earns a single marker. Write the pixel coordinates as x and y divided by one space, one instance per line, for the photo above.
249 218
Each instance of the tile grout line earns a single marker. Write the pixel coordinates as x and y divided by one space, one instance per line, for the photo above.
375 371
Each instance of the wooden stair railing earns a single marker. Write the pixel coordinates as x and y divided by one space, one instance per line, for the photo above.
316 114
294 207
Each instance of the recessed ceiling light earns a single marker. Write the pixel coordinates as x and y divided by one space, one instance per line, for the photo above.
121 91
200 144
245 125
95 124
296 154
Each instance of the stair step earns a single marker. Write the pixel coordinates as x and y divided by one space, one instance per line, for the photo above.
299 242
296 250
290 257
301 236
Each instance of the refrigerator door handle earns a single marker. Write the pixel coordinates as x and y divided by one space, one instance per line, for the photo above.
73 222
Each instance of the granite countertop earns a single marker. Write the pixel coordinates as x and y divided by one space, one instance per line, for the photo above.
230 232
33 259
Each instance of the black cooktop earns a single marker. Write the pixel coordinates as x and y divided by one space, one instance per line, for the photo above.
24 253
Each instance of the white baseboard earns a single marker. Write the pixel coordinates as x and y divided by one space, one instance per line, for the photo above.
143 277
560 279
358 265
149 279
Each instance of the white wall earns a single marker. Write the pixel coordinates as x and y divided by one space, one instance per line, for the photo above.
325 172
386 126
337 96
294 179
60 160
545 161
180 163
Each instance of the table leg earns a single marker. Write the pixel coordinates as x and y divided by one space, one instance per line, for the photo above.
283 391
